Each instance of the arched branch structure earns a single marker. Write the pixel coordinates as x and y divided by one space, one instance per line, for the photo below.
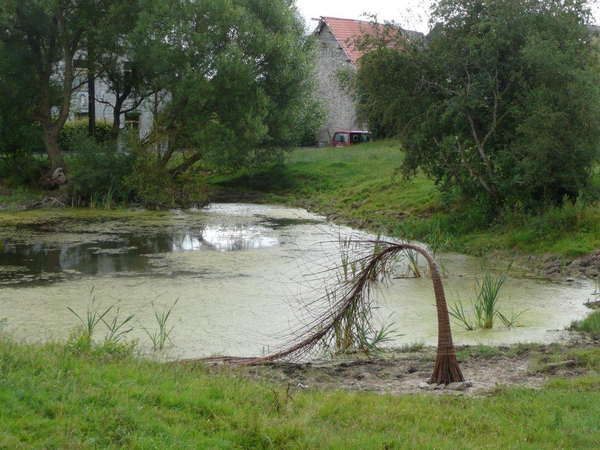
353 298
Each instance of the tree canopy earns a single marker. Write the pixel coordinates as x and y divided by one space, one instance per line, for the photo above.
501 100
226 80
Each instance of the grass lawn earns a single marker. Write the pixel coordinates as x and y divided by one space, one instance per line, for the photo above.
53 396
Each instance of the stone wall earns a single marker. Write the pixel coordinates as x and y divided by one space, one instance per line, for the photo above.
339 103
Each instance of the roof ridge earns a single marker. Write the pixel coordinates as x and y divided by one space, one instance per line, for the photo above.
350 20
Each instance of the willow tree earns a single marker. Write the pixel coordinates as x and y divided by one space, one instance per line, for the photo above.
239 79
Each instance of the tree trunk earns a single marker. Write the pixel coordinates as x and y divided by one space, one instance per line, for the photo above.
51 131
91 79
446 369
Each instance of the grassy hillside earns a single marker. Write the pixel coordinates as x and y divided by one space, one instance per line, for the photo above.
360 186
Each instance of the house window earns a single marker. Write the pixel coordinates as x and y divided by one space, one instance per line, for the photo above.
81 72
128 73
132 120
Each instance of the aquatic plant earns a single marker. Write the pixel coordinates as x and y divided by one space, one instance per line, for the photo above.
354 332
115 327
413 263
161 336
81 337
458 312
485 307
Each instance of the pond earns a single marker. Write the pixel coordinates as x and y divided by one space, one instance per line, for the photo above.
237 276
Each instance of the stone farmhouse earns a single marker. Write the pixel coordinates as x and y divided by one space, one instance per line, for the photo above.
337 52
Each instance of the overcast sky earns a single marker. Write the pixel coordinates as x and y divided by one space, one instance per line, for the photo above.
410 14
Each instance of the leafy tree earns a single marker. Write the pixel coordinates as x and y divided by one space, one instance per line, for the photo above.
47 35
240 84
227 81
17 127
501 101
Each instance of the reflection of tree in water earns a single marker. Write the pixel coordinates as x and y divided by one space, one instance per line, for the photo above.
125 252
36 258
237 237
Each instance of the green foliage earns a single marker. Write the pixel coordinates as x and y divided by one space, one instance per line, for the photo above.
486 305
45 36
155 187
590 324
98 172
574 358
20 134
161 336
233 89
21 168
413 347
359 186
72 132
479 351
501 103
221 110
81 338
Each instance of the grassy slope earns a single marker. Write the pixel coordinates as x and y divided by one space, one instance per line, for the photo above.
51 397
358 186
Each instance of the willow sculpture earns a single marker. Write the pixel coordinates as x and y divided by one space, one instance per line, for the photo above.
349 308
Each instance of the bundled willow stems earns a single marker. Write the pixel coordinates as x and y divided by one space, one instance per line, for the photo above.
349 308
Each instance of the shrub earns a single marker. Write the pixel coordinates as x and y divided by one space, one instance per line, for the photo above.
97 171
72 131
21 167
153 186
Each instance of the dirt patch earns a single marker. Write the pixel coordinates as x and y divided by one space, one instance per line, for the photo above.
553 267
397 372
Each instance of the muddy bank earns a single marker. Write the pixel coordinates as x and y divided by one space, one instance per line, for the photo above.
398 373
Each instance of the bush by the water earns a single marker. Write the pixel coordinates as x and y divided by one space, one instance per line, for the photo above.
97 172
71 133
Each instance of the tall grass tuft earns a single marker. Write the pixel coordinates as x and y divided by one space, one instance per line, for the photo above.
161 336
485 307
82 336
462 317
116 330
590 324
486 304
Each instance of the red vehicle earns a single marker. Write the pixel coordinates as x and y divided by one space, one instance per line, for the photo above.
343 138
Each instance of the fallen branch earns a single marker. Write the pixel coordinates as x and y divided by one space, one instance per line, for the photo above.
568 363
48 202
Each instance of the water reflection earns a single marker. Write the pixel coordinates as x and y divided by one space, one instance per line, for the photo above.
237 237
124 252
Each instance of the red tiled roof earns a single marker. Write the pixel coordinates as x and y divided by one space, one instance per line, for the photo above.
346 30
